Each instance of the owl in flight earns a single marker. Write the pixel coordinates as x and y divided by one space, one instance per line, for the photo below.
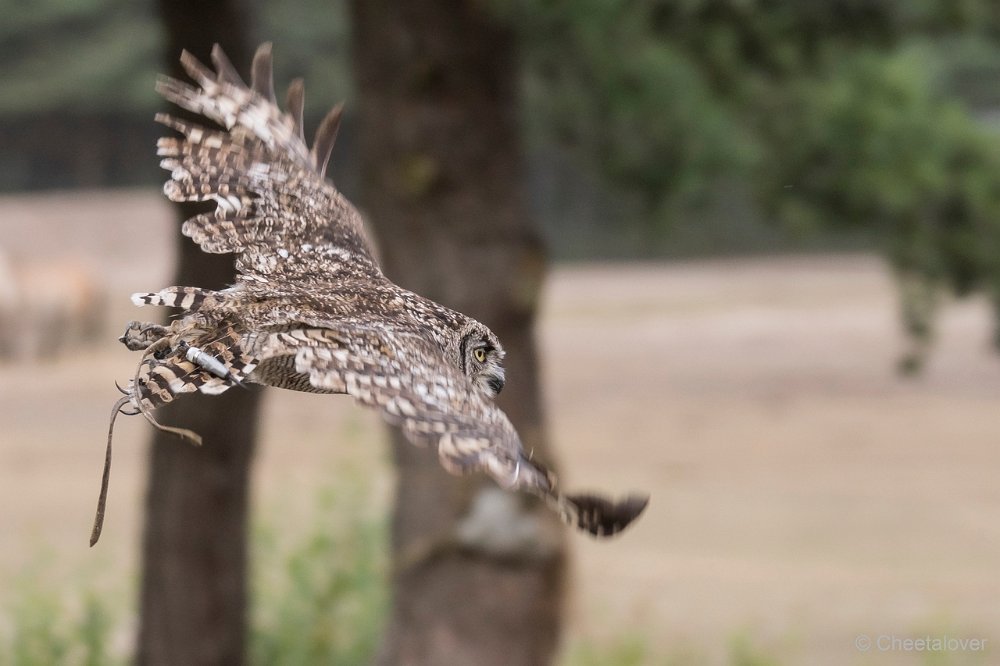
310 309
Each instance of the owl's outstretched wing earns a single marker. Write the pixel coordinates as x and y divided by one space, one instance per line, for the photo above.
408 380
274 209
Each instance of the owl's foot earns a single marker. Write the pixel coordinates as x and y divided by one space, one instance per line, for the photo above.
139 335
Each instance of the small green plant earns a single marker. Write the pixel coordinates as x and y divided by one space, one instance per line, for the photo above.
319 596
635 650
744 652
626 651
43 624
321 600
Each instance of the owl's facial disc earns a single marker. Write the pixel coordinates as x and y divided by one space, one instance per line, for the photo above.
484 364
491 372
486 370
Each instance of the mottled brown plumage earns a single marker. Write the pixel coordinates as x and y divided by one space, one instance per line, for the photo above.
311 309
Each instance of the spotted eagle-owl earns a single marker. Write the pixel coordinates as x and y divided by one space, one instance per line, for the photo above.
310 309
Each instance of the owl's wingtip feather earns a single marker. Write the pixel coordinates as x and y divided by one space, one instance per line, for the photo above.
262 76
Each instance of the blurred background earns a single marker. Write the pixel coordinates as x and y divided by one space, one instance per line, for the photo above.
773 232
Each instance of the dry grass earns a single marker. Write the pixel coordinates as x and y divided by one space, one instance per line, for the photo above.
802 493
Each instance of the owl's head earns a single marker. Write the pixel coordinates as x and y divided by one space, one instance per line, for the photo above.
480 358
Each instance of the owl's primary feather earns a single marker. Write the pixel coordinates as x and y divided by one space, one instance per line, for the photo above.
310 309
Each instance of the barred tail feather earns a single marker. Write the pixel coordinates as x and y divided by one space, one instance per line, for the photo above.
591 513
603 517
188 298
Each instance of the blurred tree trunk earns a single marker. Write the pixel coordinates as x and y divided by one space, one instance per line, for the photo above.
194 556
442 182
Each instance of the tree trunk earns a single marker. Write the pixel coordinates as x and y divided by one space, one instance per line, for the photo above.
442 185
193 603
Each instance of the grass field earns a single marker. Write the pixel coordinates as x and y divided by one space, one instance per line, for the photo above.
803 494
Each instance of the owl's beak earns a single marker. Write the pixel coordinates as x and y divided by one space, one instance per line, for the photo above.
496 384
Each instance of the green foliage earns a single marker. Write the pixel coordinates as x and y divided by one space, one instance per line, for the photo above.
322 600
104 55
312 41
835 115
630 651
666 98
744 652
871 143
44 624
635 650
95 55
319 596
599 81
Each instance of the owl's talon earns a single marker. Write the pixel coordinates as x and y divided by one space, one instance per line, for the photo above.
139 336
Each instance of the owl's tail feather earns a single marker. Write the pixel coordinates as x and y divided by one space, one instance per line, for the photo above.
601 516
593 513
187 298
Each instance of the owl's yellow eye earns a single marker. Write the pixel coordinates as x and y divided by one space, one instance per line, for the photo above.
480 354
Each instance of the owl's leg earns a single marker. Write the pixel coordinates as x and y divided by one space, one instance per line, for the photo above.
147 389
187 298
140 335
208 362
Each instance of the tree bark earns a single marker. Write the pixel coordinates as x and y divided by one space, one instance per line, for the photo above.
442 185
194 557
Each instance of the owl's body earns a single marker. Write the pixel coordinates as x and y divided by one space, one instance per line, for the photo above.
310 309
